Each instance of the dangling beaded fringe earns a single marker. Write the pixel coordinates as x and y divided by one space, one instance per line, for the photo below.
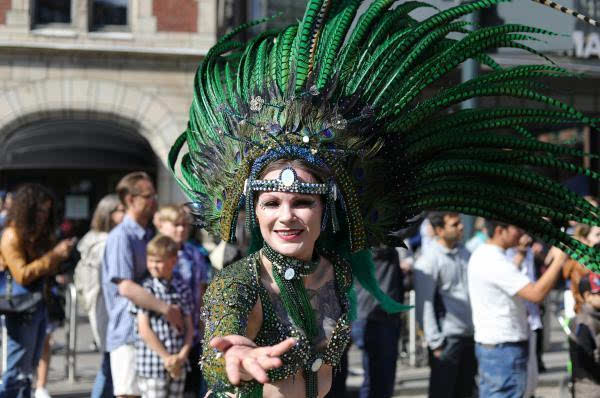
295 300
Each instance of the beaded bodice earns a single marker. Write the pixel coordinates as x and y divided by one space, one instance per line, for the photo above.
228 303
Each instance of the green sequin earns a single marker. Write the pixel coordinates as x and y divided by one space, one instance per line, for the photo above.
228 302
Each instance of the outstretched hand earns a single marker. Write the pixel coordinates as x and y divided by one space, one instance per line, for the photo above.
245 361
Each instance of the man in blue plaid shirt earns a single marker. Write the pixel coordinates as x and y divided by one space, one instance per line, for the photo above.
161 350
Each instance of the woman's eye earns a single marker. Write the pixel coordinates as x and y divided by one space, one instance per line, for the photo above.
269 204
304 203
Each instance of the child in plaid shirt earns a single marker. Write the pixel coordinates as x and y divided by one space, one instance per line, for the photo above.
161 350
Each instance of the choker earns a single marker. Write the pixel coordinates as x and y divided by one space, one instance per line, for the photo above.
290 268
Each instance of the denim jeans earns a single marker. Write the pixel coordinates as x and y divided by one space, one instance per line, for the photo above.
502 370
26 335
103 387
378 340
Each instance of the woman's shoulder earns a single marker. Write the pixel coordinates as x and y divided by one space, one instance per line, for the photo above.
10 236
234 290
239 277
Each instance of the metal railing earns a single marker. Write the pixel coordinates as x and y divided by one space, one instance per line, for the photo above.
71 332
70 335
412 330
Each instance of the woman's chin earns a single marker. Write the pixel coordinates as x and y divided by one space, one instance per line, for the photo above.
290 249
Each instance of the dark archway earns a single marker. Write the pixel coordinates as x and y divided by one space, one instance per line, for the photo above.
80 159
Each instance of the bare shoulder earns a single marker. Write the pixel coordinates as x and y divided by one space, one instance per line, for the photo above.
9 234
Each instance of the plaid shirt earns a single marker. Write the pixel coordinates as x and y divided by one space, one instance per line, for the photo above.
148 363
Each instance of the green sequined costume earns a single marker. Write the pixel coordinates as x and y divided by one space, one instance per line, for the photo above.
364 101
228 302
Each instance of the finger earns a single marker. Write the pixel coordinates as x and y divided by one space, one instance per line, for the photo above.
232 368
269 363
252 366
229 340
281 348
220 343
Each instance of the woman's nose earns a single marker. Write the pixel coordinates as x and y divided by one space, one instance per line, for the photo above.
286 213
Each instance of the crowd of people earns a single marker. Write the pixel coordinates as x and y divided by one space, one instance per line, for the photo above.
143 277
481 309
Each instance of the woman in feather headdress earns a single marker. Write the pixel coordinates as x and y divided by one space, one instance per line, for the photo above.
323 134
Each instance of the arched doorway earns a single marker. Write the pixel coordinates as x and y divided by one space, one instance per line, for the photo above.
80 159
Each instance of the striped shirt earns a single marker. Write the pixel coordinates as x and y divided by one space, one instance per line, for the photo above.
193 267
124 258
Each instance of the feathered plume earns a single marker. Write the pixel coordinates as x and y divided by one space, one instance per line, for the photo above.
368 101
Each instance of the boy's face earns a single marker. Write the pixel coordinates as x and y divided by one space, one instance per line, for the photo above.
592 299
161 267
177 230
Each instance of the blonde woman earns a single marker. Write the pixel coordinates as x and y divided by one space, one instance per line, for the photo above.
88 280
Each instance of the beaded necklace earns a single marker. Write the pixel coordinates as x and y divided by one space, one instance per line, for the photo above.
287 272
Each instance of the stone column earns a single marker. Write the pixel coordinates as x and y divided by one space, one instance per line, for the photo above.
207 18
142 19
18 18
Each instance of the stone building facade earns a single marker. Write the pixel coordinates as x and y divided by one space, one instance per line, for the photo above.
100 86
91 89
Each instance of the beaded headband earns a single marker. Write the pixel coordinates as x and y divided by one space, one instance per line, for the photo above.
288 181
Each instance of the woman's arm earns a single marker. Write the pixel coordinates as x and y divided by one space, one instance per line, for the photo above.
25 272
189 337
228 304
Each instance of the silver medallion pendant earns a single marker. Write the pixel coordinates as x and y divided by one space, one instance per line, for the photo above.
316 365
289 274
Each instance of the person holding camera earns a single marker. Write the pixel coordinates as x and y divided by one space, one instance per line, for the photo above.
30 253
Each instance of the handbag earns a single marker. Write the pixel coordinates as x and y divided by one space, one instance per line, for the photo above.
16 299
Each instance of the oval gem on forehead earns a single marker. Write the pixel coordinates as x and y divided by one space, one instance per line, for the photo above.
287 177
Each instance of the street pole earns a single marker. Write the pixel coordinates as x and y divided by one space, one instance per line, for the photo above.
469 70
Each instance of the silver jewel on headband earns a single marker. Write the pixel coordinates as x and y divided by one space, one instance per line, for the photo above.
287 177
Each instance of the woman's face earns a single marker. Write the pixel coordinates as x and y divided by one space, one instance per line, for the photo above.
594 236
117 215
43 212
290 222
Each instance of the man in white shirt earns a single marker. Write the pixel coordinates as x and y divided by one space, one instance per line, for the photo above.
497 289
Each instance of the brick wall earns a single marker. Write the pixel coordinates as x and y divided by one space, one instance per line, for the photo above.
175 15
4 7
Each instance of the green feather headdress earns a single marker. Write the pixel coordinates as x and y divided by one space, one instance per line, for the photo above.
365 100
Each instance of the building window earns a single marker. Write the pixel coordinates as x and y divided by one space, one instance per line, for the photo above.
109 14
47 12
